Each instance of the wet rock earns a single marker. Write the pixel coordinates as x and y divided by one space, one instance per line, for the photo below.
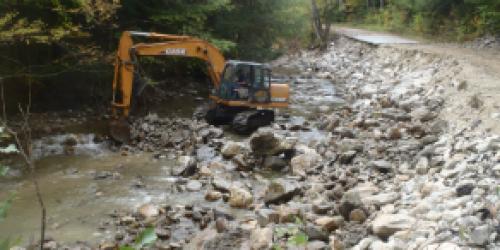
71 141
266 216
385 225
193 186
314 232
281 191
465 189
221 184
213 196
261 238
242 163
101 175
357 215
274 162
148 211
347 157
220 224
329 224
265 142
301 163
186 166
232 149
240 198
163 234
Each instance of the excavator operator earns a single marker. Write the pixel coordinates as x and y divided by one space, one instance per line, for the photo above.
242 84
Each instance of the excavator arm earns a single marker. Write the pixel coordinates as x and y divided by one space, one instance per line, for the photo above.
163 45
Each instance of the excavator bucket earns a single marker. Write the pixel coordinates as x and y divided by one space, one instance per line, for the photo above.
119 129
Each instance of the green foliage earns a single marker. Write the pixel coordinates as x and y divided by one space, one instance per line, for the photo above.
457 20
299 239
295 234
4 207
3 170
144 239
6 244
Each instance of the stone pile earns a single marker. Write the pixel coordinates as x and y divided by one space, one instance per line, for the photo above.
381 171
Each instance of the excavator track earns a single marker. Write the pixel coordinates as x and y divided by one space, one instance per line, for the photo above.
246 122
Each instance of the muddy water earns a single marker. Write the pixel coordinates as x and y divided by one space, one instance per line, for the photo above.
80 190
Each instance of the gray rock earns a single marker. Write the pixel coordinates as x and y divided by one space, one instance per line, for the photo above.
464 189
232 149
422 166
302 163
480 235
347 157
261 238
240 198
193 186
281 191
382 166
266 216
385 225
186 166
266 142
274 162
350 201
314 232
222 184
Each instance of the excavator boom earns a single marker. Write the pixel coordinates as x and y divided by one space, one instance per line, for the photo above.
164 45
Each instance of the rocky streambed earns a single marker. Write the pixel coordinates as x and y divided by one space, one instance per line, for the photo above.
363 160
381 170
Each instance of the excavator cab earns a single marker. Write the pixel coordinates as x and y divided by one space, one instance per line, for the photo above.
245 81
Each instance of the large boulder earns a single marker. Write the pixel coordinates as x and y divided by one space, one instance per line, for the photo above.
266 142
386 225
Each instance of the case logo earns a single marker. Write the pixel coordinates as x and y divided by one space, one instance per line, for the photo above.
175 52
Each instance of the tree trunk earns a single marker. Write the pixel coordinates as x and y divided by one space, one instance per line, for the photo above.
316 20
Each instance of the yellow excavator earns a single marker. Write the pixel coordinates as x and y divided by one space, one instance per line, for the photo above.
242 93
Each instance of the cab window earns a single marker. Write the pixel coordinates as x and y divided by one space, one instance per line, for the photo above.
229 74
